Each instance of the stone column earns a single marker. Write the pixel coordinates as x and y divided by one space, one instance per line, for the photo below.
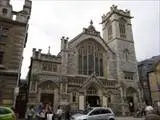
81 102
122 101
104 101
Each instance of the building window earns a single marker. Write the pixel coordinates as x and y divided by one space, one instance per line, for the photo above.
101 67
4 11
109 99
122 27
74 97
49 67
90 58
109 26
54 68
128 75
1 57
126 54
91 91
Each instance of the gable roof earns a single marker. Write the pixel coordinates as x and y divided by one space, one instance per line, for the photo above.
92 32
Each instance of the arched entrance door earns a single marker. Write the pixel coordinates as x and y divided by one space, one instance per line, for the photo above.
47 92
91 98
131 98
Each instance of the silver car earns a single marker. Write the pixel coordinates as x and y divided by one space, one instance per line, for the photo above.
97 113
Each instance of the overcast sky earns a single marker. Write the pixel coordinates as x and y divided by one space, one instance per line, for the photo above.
50 20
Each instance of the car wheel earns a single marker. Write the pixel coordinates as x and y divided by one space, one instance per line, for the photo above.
111 119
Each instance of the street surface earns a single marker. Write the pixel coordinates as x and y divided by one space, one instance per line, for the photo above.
128 118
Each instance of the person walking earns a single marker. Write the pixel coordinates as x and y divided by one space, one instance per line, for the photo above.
59 113
42 114
67 112
30 113
38 110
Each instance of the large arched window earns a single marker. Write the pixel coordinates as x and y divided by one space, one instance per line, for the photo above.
90 58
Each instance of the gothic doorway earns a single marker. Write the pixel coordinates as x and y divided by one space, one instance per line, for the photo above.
47 98
130 101
93 101
131 96
91 97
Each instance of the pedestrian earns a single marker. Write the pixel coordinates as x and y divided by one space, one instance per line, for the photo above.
59 113
30 115
38 110
42 114
67 112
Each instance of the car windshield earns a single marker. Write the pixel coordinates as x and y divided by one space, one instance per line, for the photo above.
86 111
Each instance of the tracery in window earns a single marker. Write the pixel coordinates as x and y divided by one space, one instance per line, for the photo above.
91 91
128 75
122 27
46 66
90 58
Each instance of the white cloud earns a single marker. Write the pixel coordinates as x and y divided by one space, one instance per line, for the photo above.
52 19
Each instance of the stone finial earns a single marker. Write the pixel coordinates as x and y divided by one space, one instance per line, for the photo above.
34 49
67 38
127 11
91 22
62 38
114 7
39 50
49 50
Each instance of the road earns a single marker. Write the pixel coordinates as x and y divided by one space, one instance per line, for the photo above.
128 118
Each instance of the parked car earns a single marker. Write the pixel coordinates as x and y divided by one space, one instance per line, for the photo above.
95 113
6 113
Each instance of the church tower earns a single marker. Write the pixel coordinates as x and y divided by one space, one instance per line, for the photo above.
13 38
117 33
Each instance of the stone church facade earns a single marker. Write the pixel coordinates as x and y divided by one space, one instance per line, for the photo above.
13 37
90 69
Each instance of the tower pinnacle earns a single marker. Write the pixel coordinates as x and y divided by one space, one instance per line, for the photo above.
49 50
91 22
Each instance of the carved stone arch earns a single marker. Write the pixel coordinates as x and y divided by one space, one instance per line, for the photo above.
91 40
47 85
92 89
130 91
112 92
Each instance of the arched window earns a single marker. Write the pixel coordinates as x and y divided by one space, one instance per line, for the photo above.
74 97
4 11
122 27
109 26
91 91
90 58
126 54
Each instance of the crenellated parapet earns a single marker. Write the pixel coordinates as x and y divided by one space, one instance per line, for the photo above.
22 16
38 55
114 9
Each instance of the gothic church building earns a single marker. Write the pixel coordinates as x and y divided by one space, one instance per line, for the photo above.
90 69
